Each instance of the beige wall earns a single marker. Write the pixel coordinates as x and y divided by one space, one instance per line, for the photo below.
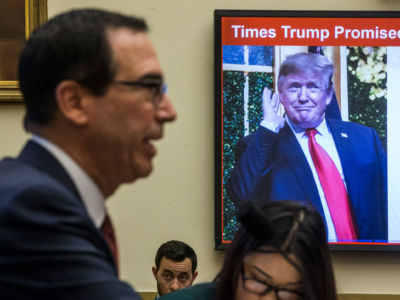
177 201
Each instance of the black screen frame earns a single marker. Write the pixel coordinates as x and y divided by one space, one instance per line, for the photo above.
220 244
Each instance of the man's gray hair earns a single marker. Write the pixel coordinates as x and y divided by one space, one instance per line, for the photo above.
307 63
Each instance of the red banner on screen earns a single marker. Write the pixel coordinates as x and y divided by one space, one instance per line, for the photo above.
310 31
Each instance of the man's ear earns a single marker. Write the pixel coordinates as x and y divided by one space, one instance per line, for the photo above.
70 96
329 97
194 275
154 269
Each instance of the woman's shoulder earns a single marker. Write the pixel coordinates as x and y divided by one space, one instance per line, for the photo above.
201 291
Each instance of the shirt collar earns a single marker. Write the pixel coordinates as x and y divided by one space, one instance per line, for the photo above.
90 193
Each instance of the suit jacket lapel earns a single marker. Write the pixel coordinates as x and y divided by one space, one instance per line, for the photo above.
291 149
342 138
35 155
38 157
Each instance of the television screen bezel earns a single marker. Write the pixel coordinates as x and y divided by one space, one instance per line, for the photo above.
220 244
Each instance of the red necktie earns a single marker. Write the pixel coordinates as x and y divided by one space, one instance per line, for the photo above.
334 189
109 235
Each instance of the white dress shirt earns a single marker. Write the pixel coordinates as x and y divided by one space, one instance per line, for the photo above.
325 140
90 193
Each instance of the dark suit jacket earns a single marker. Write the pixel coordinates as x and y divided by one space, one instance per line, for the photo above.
273 167
49 246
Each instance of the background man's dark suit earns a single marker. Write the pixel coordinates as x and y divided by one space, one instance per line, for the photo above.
272 166
51 248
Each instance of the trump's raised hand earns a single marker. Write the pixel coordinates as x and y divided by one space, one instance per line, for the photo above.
270 104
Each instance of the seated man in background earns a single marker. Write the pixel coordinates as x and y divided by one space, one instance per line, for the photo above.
175 268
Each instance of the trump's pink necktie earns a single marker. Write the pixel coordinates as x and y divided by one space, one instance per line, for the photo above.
109 235
334 189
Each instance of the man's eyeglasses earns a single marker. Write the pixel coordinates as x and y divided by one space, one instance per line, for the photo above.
157 88
261 288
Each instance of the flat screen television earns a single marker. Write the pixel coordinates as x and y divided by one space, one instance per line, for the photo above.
364 49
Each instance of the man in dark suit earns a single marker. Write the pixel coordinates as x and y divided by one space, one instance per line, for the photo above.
95 100
175 267
339 167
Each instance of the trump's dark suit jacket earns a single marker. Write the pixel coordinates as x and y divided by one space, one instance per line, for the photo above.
272 166
49 246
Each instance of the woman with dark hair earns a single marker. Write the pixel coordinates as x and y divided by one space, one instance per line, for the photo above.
280 252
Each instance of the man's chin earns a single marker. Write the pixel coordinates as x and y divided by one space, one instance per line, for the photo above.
142 171
306 123
146 173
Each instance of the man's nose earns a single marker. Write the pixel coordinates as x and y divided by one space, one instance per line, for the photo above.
175 285
270 296
166 111
303 94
